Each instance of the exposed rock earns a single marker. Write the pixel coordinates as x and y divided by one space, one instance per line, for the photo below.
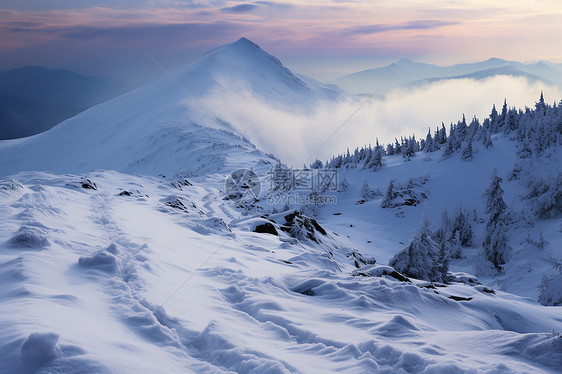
266 228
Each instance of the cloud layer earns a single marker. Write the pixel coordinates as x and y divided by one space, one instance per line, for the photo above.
296 138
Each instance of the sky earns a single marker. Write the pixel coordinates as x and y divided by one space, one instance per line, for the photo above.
319 38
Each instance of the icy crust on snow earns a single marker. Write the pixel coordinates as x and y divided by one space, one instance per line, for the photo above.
129 284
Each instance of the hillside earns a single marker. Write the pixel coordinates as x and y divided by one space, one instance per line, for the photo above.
147 234
162 127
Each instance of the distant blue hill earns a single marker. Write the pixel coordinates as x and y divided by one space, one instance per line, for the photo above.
406 73
33 99
488 73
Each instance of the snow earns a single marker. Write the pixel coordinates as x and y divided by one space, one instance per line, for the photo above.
161 129
171 277
259 304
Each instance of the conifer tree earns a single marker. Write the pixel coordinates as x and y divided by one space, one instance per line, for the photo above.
443 266
462 129
390 195
495 245
409 148
451 145
376 162
487 138
428 146
317 164
443 233
344 185
442 134
397 147
366 192
494 118
503 114
468 151
474 127
540 107
463 227
455 250
422 258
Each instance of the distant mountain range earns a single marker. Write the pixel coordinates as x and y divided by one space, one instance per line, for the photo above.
34 99
416 73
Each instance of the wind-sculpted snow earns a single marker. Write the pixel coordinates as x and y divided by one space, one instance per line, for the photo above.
130 284
29 236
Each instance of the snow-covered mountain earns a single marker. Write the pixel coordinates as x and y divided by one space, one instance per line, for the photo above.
163 127
409 72
121 251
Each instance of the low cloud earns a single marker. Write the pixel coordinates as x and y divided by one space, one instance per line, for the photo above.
300 138
241 8
412 25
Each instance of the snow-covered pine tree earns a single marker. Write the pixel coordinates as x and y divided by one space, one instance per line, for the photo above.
317 164
468 151
494 119
487 138
495 246
390 149
550 289
512 121
443 233
344 185
367 157
462 129
451 145
462 225
421 258
442 134
545 196
428 146
366 192
503 116
474 127
444 262
409 149
540 107
436 144
376 162
526 151
390 195
397 147
455 250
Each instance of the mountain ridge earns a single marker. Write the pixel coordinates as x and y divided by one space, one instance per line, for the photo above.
365 81
152 128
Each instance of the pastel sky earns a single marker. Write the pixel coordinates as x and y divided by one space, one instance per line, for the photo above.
319 38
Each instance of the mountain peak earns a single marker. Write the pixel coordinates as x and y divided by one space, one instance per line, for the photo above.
496 60
245 41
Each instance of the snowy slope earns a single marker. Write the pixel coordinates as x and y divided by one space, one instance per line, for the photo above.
161 127
144 265
451 184
97 281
